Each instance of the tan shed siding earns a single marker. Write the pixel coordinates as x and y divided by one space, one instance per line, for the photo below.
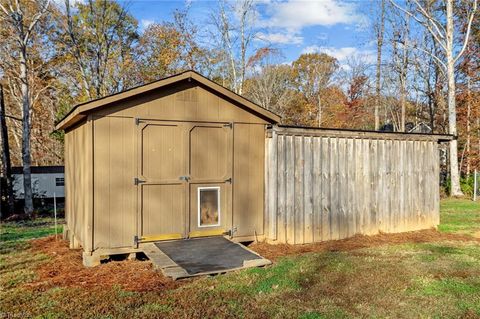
332 187
114 191
78 190
78 171
87 177
69 182
78 208
248 177
185 102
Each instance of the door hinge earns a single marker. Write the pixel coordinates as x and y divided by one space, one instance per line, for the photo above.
136 240
229 125
230 232
137 181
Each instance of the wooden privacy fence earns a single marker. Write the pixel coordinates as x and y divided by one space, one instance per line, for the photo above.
330 184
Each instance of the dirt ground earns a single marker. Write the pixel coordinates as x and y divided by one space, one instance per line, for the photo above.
65 268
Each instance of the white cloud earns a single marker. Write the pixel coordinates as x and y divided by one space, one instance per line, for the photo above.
144 23
343 54
286 19
297 14
281 38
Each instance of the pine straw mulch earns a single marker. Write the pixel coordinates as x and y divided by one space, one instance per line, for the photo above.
65 268
273 252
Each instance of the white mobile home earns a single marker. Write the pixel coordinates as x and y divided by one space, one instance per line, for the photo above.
46 181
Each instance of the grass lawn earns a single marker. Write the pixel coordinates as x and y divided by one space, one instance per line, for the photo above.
460 216
15 236
428 279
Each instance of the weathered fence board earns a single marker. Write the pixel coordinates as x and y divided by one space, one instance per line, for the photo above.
324 186
324 183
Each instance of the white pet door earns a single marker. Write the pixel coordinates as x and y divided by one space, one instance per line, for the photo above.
208 206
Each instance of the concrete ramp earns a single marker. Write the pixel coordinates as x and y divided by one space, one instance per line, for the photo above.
201 256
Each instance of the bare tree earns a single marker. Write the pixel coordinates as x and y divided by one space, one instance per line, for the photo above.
313 73
379 30
401 60
469 129
428 84
6 162
23 22
443 33
270 87
98 37
234 25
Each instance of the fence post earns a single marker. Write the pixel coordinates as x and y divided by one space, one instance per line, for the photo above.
55 212
475 186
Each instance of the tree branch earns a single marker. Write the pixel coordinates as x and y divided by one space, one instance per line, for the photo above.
437 59
434 21
467 33
35 20
4 9
424 24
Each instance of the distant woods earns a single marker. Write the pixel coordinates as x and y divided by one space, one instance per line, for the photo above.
56 54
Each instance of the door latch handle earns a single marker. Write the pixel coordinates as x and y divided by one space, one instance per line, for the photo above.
184 178
228 180
137 181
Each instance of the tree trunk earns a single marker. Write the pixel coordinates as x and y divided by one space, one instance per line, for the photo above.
478 139
469 113
403 107
26 159
76 50
379 65
452 127
7 165
452 111
319 114
243 53
404 74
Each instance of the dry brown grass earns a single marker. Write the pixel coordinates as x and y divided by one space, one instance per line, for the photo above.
273 252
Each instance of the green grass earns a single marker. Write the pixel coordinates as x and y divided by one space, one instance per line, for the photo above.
412 280
460 216
15 235
16 261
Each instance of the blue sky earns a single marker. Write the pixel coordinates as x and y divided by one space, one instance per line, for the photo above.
339 28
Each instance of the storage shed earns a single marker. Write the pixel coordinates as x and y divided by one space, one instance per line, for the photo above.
184 157
180 157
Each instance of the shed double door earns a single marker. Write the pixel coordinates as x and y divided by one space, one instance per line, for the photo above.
184 179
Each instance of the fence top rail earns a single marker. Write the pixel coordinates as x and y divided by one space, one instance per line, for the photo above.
346 133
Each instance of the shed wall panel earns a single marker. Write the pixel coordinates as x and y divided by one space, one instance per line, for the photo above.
78 182
248 179
114 191
184 102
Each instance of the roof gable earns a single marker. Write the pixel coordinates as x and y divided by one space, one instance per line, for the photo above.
81 111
